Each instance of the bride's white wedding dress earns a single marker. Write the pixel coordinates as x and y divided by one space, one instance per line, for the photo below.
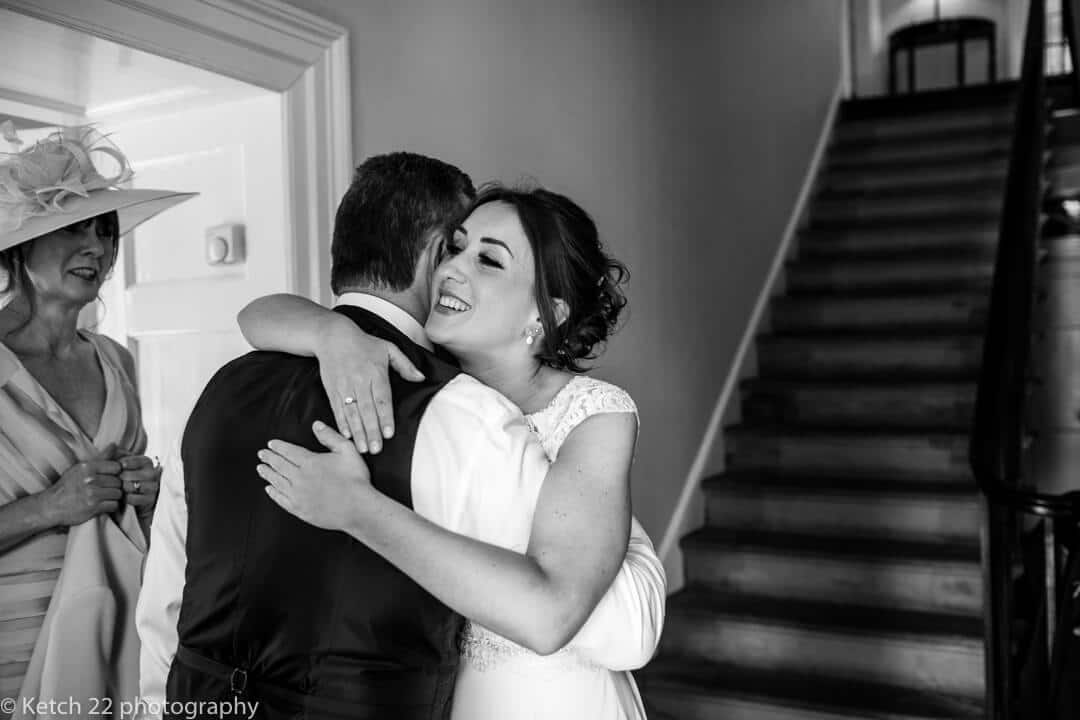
589 678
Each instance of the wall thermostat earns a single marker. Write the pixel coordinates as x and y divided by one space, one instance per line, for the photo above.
225 244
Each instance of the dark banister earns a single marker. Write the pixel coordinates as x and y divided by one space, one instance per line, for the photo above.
998 433
1069 20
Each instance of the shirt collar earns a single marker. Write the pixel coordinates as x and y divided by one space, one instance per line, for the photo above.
389 312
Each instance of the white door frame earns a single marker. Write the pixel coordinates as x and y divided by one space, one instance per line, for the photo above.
266 43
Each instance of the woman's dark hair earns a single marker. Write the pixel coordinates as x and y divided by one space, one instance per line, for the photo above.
13 277
571 265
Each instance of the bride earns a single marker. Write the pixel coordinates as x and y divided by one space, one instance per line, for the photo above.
523 294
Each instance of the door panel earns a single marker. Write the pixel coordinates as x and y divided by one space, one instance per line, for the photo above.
176 312
172 372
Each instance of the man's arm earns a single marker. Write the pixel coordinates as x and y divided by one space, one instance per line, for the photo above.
624 630
577 519
158 609
477 468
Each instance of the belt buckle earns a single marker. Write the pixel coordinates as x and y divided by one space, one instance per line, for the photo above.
238 681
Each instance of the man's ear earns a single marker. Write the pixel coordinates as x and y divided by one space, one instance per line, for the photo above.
429 257
562 310
433 241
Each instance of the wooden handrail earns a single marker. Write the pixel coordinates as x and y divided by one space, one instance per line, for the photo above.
998 433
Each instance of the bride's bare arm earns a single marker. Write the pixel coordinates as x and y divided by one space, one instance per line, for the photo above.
539 599
582 522
352 363
287 323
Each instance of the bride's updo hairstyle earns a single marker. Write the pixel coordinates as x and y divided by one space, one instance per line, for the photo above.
570 264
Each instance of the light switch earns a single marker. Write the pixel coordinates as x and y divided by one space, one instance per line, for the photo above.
225 244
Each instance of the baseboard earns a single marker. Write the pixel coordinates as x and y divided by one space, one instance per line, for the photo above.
677 527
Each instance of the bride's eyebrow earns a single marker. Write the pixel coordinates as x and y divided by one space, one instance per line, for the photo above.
495 241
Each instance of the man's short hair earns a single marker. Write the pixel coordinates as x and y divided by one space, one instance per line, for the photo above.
393 203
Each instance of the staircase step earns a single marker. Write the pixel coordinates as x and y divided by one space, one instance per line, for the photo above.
891 454
871 572
982 196
925 190
934 510
932 652
924 142
957 147
911 222
914 176
926 167
895 357
888 210
889 275
964 312
972 99
997 118
926 129
676 688
942 406
964 238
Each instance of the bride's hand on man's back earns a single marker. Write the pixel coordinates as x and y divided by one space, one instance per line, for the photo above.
354 367
324 489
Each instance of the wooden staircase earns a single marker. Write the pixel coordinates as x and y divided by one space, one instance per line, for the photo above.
838 575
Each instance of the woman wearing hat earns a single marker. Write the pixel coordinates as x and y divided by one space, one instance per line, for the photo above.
76 492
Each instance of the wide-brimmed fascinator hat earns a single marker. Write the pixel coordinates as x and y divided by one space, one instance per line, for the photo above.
55 183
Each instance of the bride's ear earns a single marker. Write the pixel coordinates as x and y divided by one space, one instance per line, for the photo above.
562 310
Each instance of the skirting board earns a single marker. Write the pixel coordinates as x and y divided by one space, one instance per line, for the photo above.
679 519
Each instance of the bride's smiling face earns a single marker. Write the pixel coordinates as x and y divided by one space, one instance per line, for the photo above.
483 291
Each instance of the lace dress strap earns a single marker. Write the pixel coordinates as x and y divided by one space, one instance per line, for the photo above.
580 399
598 396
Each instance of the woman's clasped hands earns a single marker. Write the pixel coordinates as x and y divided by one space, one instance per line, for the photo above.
97 486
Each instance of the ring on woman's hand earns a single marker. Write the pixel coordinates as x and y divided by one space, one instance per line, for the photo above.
135 485
349 399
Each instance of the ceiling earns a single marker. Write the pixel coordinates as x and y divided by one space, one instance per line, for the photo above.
53 75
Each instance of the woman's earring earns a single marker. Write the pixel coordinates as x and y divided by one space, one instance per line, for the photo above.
532 333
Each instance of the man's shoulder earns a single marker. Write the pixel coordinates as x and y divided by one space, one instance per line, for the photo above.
265 359
260 372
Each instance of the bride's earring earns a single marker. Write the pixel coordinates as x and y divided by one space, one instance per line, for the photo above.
532 333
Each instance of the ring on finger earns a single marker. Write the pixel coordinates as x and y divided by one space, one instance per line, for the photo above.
349 400
135 485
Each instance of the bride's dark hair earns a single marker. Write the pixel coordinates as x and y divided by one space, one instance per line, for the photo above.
571 265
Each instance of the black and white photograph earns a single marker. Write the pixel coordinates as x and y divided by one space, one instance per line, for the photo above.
521 360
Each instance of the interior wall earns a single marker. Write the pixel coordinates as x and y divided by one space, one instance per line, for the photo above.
684 128
875 20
